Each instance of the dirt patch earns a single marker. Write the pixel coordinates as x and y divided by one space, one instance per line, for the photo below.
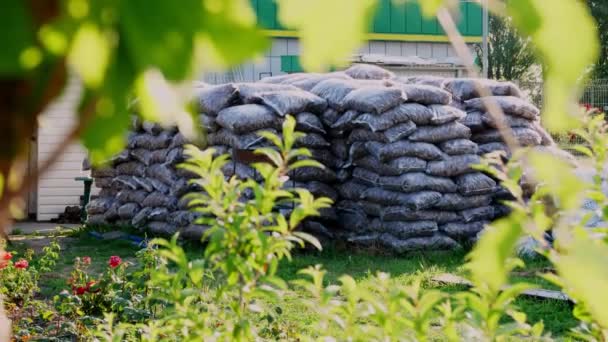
36 243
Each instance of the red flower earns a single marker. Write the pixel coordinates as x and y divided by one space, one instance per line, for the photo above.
114 261
22 264
80 290
86 260
91 284
7 256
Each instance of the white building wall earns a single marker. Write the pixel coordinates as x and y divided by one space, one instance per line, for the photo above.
57 188
270 63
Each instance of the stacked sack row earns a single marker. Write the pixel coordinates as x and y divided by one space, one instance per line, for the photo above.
141 187
397 156
522 117
406 181
240 112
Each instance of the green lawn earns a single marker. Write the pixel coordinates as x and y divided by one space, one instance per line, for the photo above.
556 315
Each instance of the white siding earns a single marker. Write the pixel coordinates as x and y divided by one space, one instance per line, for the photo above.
269 64
57 188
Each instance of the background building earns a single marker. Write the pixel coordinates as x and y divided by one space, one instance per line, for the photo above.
398 30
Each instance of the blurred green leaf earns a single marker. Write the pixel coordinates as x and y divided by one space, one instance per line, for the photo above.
90 54
583 270
430 7
216 45
330 30
105 134
17 38
559 177
160 101
488 260
567 51
160 34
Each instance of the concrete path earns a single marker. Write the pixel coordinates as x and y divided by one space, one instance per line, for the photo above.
31 227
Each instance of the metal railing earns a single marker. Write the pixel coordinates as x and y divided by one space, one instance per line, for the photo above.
595 95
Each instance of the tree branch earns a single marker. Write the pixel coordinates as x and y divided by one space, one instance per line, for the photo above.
463 52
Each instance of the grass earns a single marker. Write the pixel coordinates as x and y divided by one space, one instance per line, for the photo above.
556 315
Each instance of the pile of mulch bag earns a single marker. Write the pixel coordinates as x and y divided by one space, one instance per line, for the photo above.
397 154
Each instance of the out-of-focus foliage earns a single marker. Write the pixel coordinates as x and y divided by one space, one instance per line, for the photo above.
116 45
599 11
510 56
330 30
567 51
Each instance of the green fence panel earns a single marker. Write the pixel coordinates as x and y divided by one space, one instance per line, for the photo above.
462 21
398 14
474 19
429 26
413 18
382 19
267 14
390 17
290 64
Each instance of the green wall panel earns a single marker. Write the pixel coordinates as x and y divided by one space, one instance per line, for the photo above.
290 64
390 17
429 26
382 20
474 20
462 22
413 18
398 12
267 14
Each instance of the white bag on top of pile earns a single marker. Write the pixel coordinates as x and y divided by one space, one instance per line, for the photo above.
310 82
435 81
247 91
368 72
